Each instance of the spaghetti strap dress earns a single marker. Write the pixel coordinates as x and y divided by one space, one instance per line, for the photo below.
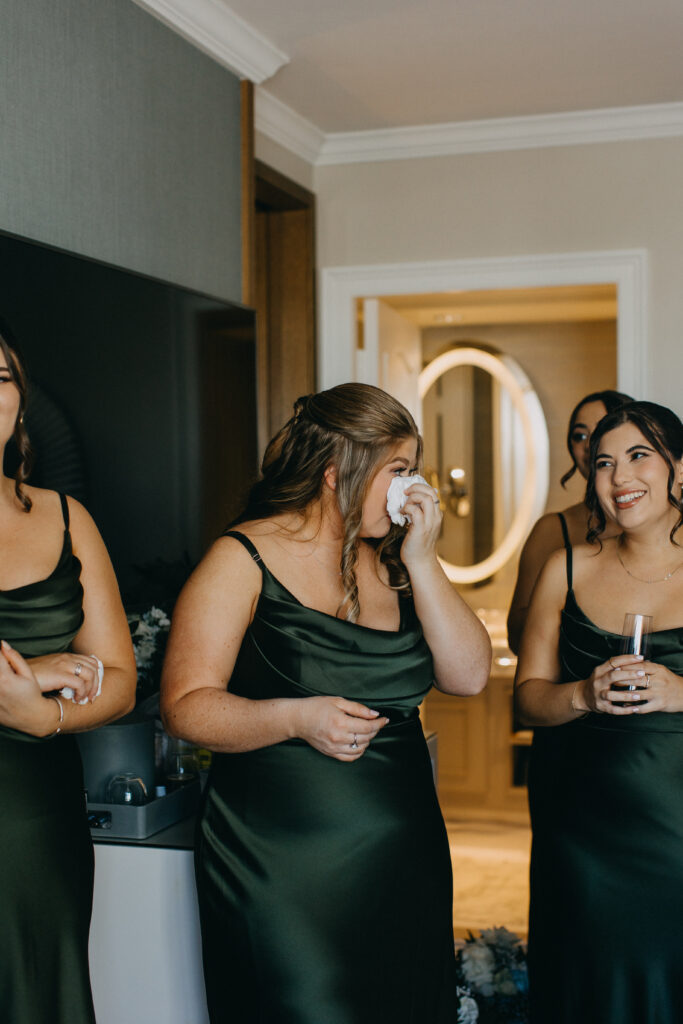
46 857
325 887
605 930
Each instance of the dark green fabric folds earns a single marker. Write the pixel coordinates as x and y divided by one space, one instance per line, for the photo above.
45 846
325 888
607 858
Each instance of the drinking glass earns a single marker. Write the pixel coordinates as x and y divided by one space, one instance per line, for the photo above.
635 639
182 766
126 788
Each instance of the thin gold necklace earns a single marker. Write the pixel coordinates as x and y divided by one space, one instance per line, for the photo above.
640 579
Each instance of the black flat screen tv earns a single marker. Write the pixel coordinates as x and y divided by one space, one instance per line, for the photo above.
143 403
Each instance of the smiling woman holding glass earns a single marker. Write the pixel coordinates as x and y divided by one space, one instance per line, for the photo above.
607 761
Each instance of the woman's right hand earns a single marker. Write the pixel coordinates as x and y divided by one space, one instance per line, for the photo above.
598 694
337 727
22 706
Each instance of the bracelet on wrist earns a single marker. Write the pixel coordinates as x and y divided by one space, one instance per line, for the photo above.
51 696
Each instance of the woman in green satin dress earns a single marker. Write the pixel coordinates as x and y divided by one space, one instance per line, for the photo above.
607 763
299 653
58 603
548 532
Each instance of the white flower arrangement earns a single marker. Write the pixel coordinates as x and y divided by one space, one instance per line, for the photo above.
149 632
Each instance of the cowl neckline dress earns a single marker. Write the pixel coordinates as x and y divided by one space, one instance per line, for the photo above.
45 846
325 887
606 806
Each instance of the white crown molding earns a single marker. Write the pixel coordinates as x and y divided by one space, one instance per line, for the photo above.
616 124
283 125
212 27
535 132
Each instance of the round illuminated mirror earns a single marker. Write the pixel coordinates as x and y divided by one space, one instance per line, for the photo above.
486 450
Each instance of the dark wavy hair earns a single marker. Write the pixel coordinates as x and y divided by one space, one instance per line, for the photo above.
17 368
352 427
611 401
662 429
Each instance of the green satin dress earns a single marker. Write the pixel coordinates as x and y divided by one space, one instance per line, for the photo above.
606 800
46 857
325 887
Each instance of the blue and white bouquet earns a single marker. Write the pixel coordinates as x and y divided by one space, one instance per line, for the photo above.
492 979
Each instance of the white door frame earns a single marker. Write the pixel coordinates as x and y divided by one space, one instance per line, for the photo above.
339 360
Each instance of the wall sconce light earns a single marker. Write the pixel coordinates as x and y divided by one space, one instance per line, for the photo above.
458 501
453 497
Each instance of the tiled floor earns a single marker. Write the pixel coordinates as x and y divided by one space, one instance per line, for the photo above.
490 875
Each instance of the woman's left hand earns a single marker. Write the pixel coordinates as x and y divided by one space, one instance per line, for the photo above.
77 671
659 690
422 505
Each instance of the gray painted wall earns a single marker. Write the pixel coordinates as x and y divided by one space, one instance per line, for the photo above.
119 141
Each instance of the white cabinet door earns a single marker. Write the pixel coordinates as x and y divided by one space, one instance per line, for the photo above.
145 948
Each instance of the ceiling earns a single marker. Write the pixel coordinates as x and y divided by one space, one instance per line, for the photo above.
368 65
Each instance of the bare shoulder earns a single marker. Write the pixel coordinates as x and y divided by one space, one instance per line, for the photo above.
545 537
81 523
577 522
86 540
226 568
264 533
44 504
590 558
554 570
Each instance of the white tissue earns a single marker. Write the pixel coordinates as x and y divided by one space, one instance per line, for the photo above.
68 694
396 497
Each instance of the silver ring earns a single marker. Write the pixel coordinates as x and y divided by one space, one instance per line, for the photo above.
647 680
354 745
78 669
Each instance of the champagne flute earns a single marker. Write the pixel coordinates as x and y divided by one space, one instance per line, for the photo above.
635 639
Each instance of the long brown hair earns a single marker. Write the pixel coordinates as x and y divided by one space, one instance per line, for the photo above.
17 369
352 427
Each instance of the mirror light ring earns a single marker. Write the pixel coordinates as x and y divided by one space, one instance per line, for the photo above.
535 490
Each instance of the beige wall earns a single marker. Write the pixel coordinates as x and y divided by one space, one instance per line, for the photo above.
622 195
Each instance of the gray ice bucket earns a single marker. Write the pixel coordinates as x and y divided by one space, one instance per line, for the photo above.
123 746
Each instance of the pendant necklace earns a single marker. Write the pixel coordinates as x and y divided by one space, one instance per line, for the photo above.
660 579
